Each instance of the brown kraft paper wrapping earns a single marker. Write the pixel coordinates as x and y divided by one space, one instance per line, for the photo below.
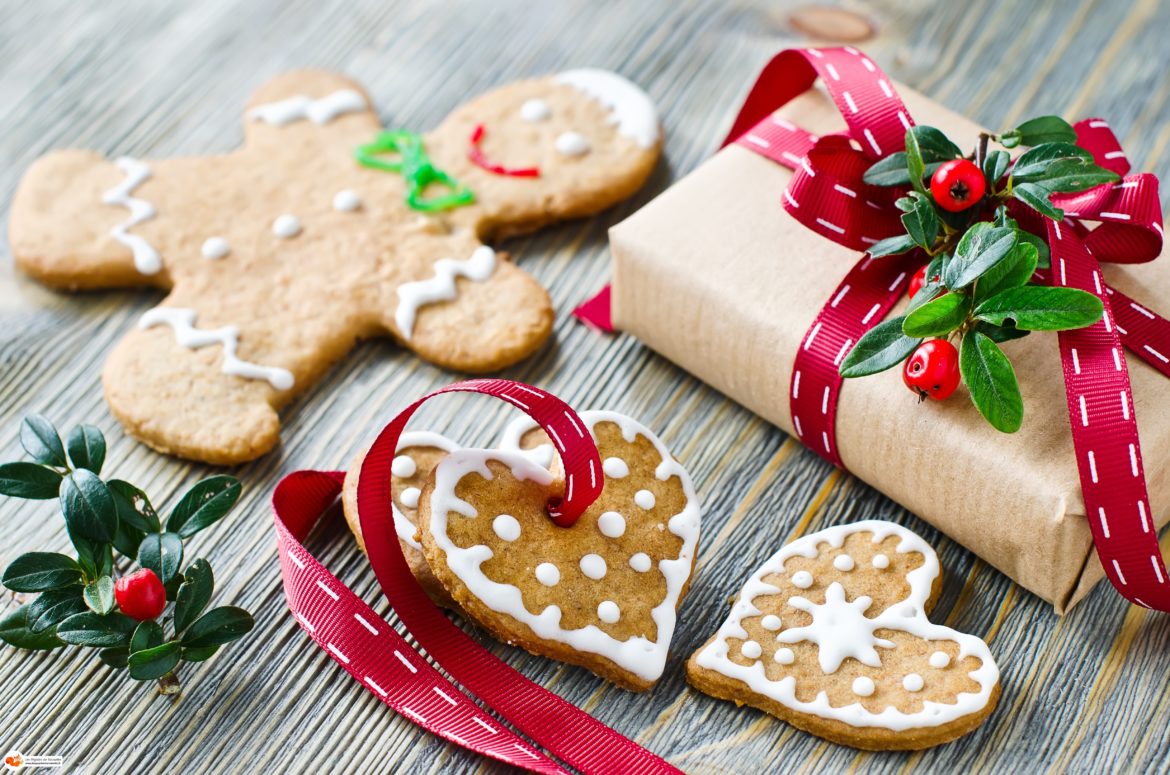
718 278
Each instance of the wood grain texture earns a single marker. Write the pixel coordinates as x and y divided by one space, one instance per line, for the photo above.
153 79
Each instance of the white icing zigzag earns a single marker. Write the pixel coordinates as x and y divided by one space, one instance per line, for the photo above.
840 633
633 111
182 320
146 258
320 111
441 287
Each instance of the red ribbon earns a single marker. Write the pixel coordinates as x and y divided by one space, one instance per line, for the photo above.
371 650
827 194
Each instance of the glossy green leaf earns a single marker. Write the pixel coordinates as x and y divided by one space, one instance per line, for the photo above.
1045 129
1016 269
53 606
892 246
218 626
40 440
979 249
1072 177
1000 334
915 164
115 656
204 504
14 631
87 448
921 222
29 480
194 593
995 166
162 553
938 316
200 654
882 347
88 506
1041 308
99 595
991 381
134 506
1043 255
154 662
39 571
147 635
90 629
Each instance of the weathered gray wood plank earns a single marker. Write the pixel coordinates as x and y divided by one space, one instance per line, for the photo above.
156 79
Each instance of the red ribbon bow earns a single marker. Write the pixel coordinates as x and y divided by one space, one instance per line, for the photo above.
827 194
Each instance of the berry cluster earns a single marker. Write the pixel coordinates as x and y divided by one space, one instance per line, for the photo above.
977 221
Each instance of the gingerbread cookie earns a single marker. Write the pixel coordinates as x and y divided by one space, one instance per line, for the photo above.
831 635
323 230
418 453
602 593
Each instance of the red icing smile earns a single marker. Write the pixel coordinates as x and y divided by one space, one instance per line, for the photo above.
478 159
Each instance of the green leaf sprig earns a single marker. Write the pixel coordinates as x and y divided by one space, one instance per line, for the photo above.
978 286
75 601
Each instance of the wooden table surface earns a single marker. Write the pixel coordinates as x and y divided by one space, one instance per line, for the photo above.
152 79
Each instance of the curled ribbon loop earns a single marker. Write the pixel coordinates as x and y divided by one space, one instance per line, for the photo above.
827 194
371 650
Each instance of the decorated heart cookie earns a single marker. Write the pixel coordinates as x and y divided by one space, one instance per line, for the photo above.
323 230
832 636
602 593
419 452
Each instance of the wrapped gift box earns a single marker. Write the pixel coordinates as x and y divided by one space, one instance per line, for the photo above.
717 277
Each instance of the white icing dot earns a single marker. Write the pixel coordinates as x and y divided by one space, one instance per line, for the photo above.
609 612
346 201
506 527
409 497
615 468
593 566
548 574
881 562
611 524
939 659
863 686
771 622
571 144
751 649
535 110
286 226
784 656
913 682
640 562
802 579
215 247
645 499
403 466
843 562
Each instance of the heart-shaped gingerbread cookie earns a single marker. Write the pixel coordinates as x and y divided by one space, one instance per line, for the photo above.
418 453
602 593
831 635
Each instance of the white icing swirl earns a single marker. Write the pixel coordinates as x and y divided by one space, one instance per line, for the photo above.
319 111
630 107
441 287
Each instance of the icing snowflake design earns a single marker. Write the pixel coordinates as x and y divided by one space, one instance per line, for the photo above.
839 628
843 634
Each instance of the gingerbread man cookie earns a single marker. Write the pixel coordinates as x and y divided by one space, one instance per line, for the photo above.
831 635
602 593
323 230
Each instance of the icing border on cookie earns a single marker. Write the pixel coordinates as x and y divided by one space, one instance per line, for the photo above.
638 655
146 259
302 107
907 615
182 320
630 108
403 526
414 295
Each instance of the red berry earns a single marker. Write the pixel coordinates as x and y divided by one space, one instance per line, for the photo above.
932 370
140 595
917 281
957 184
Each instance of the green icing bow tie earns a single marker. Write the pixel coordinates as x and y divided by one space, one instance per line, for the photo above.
416 168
